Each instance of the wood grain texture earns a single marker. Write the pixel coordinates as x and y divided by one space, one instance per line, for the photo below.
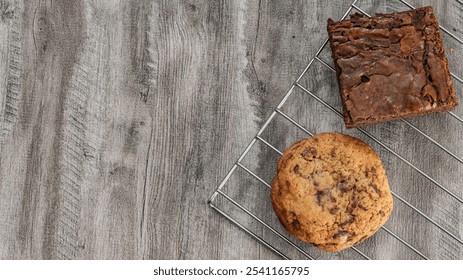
118 119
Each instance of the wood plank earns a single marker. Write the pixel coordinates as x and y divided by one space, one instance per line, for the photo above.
118 119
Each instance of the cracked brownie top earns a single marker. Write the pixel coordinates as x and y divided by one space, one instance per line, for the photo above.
390 66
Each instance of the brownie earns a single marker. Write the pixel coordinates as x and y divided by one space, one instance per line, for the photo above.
390 66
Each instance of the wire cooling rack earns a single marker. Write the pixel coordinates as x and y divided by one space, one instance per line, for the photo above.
235 200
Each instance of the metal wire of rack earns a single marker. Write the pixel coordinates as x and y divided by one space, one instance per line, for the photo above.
279 112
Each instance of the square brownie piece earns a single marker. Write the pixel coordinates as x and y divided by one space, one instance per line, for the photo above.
390 66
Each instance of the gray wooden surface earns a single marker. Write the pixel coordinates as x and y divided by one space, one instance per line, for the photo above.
118 119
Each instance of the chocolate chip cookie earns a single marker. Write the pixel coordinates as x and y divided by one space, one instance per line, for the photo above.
331 190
